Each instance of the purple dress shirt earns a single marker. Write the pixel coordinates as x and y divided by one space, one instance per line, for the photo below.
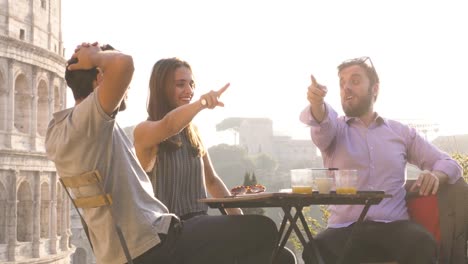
380 153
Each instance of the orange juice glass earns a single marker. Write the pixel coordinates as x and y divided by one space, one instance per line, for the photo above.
346 181
302 181
302 189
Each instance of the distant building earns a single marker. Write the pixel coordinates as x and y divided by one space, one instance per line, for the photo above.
34 209
256 136
294 153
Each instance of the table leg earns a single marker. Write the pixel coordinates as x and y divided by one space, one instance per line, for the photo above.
222 210
293 225
283 226
354 231
312 244
293 221
304 223
281 239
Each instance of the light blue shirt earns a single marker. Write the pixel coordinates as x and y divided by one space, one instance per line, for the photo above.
380 153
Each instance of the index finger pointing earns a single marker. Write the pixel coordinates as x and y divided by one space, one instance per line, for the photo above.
314 81
222 90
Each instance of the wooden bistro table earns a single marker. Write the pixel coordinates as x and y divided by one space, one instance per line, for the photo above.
288 200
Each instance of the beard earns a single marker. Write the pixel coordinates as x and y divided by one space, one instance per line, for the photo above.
362 107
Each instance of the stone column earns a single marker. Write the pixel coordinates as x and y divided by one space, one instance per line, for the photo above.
12 214
51 95
63 92
7 19
53 213
62 50
4 100
31 17
10 115
36 215
34 103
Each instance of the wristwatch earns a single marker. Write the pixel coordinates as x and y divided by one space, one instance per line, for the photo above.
203 101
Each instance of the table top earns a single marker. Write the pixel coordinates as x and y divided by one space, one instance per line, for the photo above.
279 199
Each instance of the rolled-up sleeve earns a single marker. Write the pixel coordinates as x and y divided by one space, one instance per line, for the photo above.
449 167
306 117
428 157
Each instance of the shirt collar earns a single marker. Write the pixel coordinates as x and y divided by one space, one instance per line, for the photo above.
378 119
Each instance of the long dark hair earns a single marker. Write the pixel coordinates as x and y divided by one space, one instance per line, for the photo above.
161 90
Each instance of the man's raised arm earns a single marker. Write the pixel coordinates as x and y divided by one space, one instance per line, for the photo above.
116 69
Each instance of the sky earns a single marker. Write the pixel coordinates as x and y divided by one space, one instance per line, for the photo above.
267 50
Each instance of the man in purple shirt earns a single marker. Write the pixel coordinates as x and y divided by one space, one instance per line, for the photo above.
379 149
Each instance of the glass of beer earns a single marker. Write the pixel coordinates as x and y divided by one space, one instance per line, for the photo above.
302 181
346 181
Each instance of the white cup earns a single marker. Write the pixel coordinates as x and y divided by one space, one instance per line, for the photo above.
324 184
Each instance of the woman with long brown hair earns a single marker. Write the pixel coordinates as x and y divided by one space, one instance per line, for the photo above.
170 149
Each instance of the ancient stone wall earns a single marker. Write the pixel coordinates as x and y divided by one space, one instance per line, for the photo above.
34 210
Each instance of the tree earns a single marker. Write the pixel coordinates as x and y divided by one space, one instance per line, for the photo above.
253 179
462 159
250 179
246 179
265 163
230 163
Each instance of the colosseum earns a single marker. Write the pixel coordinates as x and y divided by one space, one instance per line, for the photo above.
34 209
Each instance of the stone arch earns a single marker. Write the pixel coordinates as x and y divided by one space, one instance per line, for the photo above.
23 107
24 213
3 102
57 99
45 210
59 208
80 256
42 108
3 203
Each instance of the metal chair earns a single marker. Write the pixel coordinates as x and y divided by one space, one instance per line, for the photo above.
93 201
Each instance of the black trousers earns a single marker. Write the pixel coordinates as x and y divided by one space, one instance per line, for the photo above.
223 239
284 256
403 241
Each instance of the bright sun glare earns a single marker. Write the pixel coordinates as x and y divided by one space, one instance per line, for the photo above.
268 49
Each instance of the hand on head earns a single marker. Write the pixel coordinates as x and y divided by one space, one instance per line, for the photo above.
82 56
212 97
316 92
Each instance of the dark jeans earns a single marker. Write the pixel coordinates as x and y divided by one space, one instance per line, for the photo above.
403 241
284 256
237 239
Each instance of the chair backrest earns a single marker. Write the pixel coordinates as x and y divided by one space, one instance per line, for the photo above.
451 223
101 199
